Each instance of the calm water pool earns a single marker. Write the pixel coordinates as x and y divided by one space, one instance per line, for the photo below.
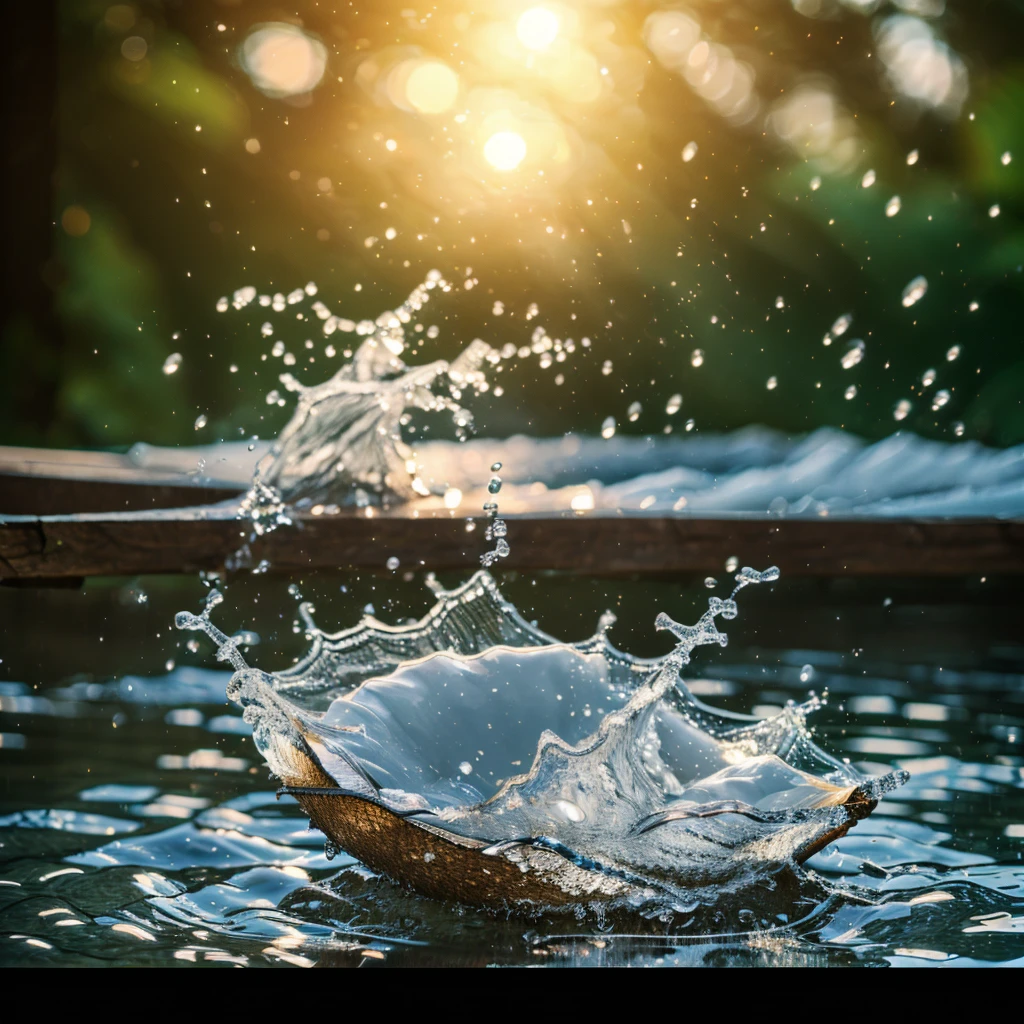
139 826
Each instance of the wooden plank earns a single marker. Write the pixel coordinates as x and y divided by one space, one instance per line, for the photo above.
186 540
39 481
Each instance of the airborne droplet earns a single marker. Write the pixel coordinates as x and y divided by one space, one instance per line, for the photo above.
915 291
172 362
608 428
841 325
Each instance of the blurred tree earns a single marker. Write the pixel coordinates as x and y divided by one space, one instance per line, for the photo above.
693 179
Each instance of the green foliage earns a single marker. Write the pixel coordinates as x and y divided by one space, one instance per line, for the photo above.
644 249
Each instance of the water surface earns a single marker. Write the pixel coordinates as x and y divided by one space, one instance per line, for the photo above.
138 824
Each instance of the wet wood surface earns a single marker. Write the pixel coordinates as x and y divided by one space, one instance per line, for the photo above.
186 540
116 519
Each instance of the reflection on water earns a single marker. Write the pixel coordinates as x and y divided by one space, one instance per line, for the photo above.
136 825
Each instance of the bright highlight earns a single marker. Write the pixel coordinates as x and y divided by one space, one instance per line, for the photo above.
505 151
282 60
432 87
537 28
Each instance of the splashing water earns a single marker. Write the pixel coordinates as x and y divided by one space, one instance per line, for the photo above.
497 529
474 757
345 434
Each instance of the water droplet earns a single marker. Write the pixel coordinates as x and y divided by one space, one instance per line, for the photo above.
772 383
608 428
815 183
1005 158
172 362
902 409
689 152
222 304
732 563
495 467
806 673
169 665
393 563
674 404
928 377
850 392
841 325
912 158
499 528
915 291
192 645
267 329
893 206
278 349
780 302
466 768
633 412
952 353
710 582
958 428
293 590
853 355
494 485
993 210
973 307
606 367
941 398
452 497
200 421
868 180
690 424
697 357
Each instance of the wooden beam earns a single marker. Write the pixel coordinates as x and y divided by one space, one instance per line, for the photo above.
40 481
594 543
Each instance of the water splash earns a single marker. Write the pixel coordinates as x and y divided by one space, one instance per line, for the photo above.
344 439
497 529
592 774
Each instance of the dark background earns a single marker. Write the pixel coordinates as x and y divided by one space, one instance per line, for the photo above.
124 224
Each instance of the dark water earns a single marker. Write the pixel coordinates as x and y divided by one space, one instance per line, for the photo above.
138 825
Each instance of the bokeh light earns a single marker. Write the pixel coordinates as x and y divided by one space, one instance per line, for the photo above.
537 28
431 87
505 151
282 60
921 66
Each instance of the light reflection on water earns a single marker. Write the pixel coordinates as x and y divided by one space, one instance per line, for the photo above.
138 826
